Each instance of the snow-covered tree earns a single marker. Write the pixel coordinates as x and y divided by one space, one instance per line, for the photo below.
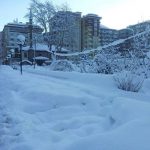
44 11
64 30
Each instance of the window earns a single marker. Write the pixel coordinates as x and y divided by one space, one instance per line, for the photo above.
25 55
11 39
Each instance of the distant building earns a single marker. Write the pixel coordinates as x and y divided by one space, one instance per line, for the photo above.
66 30
125 33
107 35
90 31
71 31
10 33
140 27
128 43
0 45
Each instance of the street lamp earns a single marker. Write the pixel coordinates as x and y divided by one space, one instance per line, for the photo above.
20 42
34 55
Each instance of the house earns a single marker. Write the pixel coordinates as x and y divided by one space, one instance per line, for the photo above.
39 53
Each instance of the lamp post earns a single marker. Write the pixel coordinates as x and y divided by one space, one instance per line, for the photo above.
20 42
34 52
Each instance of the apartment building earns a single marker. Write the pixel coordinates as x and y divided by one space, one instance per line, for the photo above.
90 31
10 33
107 35
125 33
66 30
140 27
73 32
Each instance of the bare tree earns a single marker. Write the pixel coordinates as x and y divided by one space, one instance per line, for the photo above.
63 7
42 13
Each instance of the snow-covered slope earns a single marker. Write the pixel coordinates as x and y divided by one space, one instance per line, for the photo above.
45 110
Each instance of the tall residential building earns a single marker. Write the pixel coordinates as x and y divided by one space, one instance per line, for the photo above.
66 30
90 31
107 35
12 30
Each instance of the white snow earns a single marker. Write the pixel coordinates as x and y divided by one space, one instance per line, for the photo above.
148 54
41 58
39 47
21 39
47 110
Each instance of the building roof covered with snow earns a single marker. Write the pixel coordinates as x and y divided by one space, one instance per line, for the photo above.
37 47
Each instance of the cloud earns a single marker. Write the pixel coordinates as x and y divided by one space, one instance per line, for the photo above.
126 13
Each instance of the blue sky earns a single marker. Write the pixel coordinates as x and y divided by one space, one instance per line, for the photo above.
115 14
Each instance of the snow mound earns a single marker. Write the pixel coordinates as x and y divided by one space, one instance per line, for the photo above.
62 65
44 109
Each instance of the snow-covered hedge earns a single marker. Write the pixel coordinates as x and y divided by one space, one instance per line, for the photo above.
105 64
62 65
128 81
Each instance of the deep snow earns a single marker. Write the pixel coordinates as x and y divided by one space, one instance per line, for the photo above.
47 110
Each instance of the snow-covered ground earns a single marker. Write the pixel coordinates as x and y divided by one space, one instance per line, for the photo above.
47 110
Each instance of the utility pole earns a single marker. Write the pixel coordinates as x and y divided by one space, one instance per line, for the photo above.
20 42
34 53
30 30
20 45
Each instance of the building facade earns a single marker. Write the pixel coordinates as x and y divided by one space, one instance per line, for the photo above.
140 27
90 31
0 47
107 35
66 30
11 32
124 33
39 52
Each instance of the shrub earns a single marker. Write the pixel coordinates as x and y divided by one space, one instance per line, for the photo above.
62 65
103 64
128 81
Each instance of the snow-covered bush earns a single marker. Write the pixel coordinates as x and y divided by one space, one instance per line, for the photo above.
128 81
139 66
106 64
102 64
87 66
62 65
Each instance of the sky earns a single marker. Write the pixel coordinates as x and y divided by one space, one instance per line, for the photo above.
116 14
